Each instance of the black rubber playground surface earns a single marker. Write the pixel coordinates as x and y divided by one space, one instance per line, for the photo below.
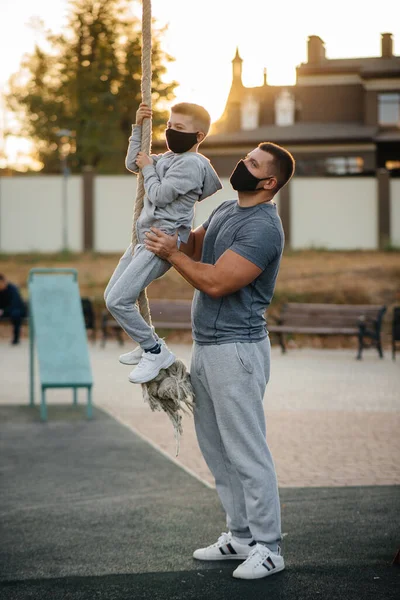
89 511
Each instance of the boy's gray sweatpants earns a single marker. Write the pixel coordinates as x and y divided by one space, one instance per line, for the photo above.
132 275
229 381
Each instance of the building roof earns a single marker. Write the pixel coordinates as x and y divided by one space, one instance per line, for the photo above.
388 136
364 65
299 132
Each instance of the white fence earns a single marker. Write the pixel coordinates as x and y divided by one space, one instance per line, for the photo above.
324 212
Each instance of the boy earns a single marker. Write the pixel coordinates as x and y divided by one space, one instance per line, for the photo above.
173 183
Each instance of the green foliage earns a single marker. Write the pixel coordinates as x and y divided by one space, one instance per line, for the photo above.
88 83
388 246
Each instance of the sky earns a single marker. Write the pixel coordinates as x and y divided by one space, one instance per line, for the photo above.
203 34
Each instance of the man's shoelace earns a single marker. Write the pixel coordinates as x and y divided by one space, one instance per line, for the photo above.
224 538
260 554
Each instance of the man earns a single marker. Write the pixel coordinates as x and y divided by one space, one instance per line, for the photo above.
11 306
240 248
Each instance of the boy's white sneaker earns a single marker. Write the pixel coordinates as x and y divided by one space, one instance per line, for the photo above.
261 562
225 548
131 358
151 364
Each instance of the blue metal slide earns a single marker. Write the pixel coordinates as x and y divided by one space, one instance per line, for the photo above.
57 329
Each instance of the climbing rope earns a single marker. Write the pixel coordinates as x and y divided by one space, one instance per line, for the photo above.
171 390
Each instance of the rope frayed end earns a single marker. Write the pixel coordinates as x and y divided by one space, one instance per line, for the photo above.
171 391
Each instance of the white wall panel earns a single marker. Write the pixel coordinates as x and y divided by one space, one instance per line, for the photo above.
114 197
31 213
334 213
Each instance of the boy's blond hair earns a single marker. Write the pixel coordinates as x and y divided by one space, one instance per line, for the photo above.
201 118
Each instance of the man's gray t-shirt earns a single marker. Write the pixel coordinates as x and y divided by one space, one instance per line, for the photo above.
255 233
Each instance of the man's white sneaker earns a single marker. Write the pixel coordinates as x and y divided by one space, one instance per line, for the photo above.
226 548
151 364
131 358
261 562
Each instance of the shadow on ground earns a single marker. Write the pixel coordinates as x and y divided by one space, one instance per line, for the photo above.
304 583
90 511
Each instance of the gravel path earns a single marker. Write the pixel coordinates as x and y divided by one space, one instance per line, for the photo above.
331 420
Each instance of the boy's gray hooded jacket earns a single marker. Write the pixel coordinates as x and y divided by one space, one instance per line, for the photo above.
173 183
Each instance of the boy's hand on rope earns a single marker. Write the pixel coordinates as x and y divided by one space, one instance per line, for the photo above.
143 159
143 112
160 243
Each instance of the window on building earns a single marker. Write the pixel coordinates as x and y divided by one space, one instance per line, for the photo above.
285 106
334 165
389 109
310 167
344 165
249 114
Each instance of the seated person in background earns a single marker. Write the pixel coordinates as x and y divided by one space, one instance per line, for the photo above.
12 306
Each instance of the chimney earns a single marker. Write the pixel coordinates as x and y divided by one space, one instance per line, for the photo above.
316 49
386 45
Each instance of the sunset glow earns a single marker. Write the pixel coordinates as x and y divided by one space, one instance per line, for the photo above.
202 36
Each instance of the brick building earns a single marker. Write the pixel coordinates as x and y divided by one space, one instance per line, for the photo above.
341 117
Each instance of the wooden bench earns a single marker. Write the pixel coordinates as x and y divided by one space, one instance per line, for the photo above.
165 314
363 321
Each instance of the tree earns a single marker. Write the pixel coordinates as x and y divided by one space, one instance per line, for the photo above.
88 83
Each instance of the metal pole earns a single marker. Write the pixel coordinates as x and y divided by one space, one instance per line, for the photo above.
64 135
89 409
31 359
65 203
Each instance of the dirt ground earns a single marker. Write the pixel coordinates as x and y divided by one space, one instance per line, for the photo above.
358 277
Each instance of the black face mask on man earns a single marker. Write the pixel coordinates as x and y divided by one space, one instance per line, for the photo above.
180 141
242 180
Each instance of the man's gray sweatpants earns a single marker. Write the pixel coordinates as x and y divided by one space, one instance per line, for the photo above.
229 381
132 275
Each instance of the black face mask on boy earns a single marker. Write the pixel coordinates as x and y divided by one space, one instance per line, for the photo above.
242 180
180 141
